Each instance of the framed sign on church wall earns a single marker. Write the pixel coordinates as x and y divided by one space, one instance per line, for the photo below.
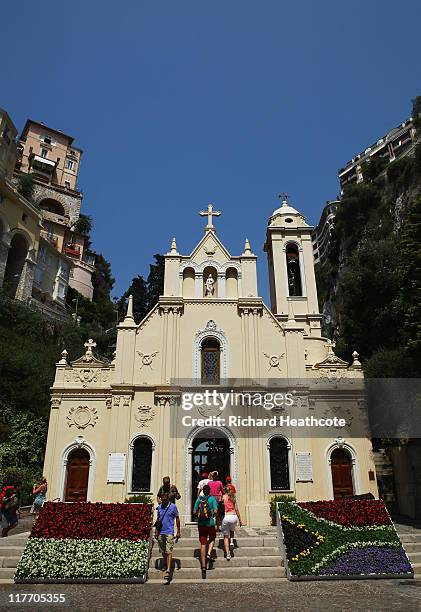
116 468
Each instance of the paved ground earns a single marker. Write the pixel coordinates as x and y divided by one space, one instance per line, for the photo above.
378 595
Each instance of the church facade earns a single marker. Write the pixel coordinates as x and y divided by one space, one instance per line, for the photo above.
117 428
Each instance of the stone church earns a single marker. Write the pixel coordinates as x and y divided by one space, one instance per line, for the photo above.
115 428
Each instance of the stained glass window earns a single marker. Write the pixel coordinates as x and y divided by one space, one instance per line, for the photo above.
279 466
142 464
210 362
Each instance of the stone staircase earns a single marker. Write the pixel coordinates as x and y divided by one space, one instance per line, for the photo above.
11 549
256 557
411 541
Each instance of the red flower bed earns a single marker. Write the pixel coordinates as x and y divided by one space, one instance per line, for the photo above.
94 521
350 513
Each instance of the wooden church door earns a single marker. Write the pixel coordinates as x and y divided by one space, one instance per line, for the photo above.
77 476
341 466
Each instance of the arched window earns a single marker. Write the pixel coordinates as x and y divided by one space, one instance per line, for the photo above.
211 370
279 464
15 263
188 283
293 270
142 464
53 206
231 287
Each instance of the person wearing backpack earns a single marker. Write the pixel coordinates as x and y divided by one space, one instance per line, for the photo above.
206 509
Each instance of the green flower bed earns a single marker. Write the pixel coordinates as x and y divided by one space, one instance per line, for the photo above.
49 558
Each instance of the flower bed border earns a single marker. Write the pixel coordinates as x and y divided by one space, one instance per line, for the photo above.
308 577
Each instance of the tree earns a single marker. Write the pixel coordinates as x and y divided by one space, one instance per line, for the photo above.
410 275
83 225
26 186
145 293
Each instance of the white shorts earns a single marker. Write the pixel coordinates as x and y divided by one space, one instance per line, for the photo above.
229 523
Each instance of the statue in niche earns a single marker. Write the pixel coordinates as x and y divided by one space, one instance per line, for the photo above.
209 286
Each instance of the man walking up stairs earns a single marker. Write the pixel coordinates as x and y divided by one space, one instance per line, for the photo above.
255 558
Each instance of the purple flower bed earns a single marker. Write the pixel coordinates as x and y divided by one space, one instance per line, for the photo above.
374 560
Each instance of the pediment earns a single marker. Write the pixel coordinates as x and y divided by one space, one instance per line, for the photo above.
210 248
88 360
331 361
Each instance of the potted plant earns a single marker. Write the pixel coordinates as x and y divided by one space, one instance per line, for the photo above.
273 503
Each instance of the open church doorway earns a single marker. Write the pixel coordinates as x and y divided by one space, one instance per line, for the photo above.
209 454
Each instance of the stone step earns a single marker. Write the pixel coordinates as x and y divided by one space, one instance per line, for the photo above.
194 551
11 551
411 547
414 557
241 541
10 543
224 572
220 563
199 580
7 572
7 581
410 537
9 561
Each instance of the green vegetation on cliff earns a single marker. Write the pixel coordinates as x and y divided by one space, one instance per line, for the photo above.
370 286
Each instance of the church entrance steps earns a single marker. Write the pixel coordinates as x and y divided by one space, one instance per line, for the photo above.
223 572
411 541
255 558
246 551
210 579
410 537
241 541
189 562
7 573
11 550
9 561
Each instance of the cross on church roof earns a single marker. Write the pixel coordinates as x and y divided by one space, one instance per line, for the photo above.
89 346
283 197
209 214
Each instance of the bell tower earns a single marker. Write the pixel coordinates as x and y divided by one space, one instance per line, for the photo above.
292 281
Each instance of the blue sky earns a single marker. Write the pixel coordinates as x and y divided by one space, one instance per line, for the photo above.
177 104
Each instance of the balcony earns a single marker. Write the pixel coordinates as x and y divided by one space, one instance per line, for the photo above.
42 167
71 249
55 217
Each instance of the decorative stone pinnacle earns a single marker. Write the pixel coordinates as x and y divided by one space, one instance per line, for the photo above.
356 363
209 214
173 246
247 247
129 313
63 360
330 346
